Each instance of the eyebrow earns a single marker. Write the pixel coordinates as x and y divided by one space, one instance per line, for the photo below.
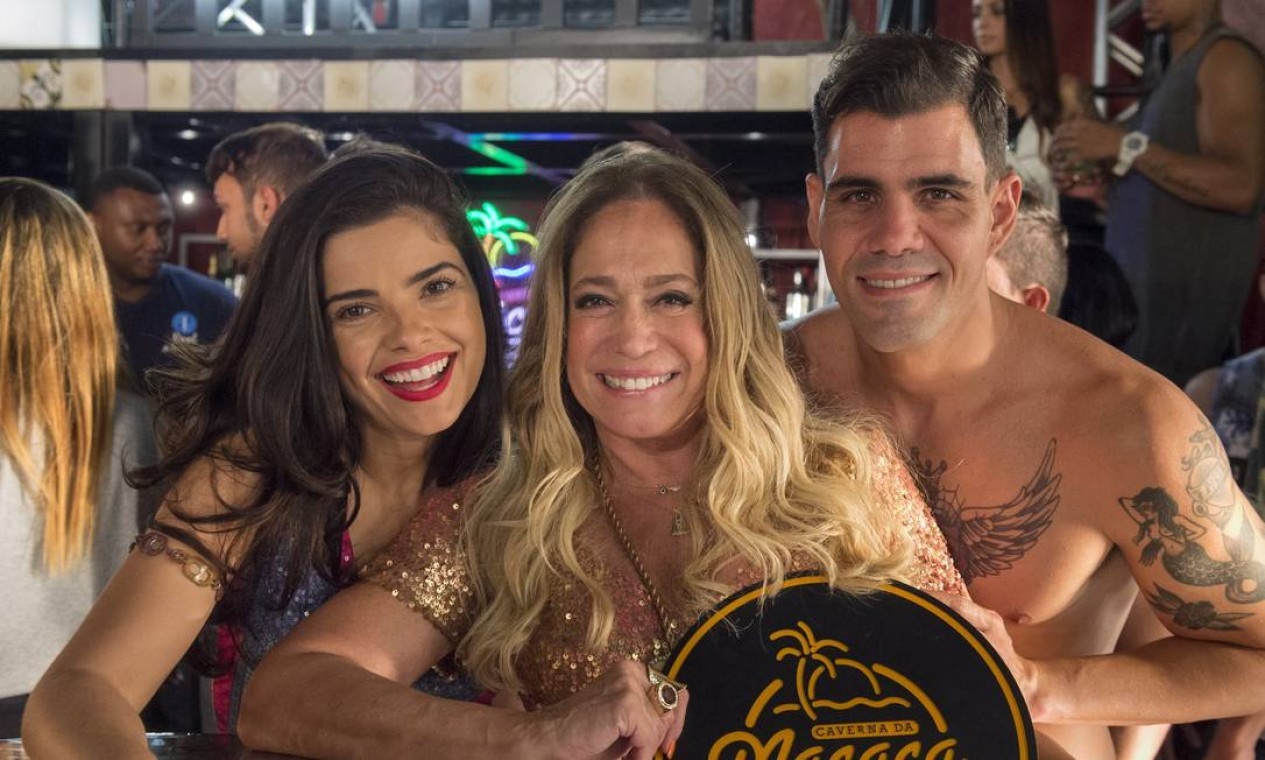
413 279
654 281
853 181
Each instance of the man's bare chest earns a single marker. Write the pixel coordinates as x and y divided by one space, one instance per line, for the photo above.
1018 520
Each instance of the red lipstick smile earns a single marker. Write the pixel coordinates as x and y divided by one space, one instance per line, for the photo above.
421 389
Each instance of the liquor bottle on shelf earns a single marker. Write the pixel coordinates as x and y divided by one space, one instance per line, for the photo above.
799 301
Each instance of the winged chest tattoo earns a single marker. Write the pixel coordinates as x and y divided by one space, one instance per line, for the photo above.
989 539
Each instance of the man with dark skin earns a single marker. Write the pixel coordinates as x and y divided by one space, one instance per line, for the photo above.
134 228
156 304
1183 214
1060 471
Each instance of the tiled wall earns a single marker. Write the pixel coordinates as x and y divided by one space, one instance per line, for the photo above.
746 83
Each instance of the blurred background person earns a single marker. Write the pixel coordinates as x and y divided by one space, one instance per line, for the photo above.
1031 268
1231 396
156 304
66 433
251 173
1183 219
1098 298
1017 38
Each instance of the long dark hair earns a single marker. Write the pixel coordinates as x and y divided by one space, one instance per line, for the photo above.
1030 48
266 399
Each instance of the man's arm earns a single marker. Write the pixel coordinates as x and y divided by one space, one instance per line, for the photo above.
1228 172
1197 551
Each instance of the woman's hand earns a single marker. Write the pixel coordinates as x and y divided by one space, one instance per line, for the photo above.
614 717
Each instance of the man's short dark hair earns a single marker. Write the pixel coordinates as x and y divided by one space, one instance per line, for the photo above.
899 74
1037 250
363 143
120 178
279 154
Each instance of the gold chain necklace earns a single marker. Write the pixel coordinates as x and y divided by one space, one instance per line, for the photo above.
660 609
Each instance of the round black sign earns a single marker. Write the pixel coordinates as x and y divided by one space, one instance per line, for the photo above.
816 674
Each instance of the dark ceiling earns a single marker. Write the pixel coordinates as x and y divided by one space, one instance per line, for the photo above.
754 154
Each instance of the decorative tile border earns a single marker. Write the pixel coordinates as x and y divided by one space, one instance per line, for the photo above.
582 84
779 83
681 84
533 84
124 86
392 86
10 85
257 86
485 86
618 85
169 85
213 85
83 84
346 86
731 84
40 84
438 86
302 85
630 85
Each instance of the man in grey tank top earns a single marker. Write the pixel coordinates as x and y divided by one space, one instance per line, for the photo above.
1184 217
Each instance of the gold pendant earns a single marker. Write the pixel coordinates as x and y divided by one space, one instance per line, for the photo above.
678 523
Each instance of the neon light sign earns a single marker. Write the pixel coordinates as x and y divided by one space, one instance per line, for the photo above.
509 244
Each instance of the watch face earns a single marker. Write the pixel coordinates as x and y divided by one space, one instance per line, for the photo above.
1133 142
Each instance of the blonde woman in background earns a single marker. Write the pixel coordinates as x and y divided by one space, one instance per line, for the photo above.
65 434
663 457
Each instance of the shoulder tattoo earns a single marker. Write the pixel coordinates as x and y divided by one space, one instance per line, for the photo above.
1180 542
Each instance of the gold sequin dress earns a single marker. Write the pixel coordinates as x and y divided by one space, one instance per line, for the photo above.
424 569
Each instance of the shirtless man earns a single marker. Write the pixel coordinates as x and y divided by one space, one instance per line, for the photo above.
1060 470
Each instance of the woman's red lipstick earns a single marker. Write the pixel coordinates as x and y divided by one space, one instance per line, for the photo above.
421 390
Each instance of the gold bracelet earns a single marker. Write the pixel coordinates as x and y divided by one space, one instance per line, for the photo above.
195 568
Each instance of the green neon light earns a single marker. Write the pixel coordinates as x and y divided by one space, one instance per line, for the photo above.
494 171
498 154
501 235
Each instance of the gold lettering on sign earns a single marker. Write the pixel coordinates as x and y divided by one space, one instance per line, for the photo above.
872 728
825 680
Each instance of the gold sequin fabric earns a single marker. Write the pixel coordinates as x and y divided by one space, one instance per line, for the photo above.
424 569
896 493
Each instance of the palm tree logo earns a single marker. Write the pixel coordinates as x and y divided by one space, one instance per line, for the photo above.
816 658
501 236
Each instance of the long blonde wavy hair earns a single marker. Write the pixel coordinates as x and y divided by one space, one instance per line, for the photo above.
775 483
58 350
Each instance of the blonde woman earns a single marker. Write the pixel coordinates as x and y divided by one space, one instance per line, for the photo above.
68 516
664 458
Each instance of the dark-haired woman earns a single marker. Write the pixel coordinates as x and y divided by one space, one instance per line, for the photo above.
1017 38
360 378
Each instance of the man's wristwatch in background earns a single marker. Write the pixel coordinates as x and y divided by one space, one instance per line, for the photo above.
1133 145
